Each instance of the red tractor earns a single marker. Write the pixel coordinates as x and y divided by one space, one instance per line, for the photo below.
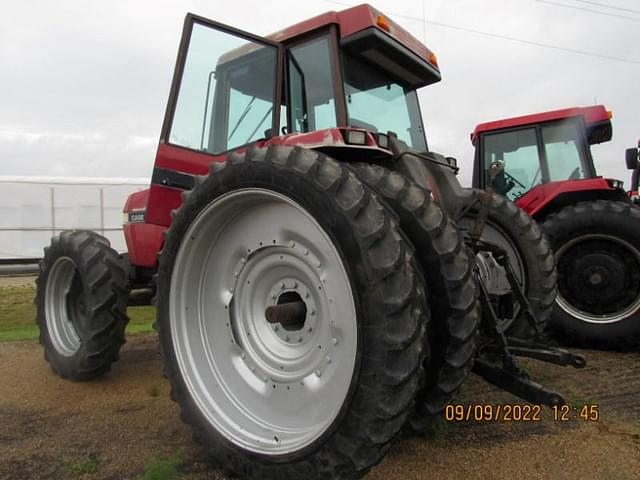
594 229
312 298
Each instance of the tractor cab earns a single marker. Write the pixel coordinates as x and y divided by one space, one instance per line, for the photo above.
351 69
337 83
544 155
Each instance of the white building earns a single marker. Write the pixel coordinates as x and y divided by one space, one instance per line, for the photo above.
33 209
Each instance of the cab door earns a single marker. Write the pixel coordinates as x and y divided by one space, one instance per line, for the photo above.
225 95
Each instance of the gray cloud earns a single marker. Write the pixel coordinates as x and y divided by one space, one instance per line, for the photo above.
84 84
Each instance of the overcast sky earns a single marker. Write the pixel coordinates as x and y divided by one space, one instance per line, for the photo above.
83 84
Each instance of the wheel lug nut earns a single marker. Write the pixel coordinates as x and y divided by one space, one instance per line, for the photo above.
334 341
318 373
286 338
306 251
243 355
328 359
292 243
299 339
275 327
310 329
306 295
282 285
312 313
295 285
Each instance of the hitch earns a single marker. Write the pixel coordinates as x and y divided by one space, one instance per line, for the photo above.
517 383
496 357
496 361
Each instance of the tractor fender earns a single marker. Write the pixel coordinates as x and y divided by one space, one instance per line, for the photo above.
553 196
144 239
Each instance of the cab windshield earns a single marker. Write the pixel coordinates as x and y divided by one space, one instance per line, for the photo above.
535 155
375 101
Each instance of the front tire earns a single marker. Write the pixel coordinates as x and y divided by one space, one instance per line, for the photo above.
597 247
316 399
81 305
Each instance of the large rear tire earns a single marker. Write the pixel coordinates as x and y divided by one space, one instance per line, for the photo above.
530 256
447 267
81 305
597 246
317 399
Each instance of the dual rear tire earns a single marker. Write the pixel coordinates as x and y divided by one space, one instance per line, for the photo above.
317 398
388 331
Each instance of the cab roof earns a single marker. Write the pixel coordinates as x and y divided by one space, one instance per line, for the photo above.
592 115
353 20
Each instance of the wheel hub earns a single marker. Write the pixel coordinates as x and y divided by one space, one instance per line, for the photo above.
281 354
599 278
64 304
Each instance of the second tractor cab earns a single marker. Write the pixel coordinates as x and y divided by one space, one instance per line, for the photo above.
548 170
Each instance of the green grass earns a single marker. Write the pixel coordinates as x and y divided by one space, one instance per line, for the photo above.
164 467
579 402
18 313
437 430
81 466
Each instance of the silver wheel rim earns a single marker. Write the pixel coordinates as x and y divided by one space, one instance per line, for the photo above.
585 316
62 332
266 389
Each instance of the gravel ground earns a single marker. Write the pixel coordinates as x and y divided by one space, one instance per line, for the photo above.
126 418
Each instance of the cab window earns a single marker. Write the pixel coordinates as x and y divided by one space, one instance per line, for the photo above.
562 146
518 151
377 102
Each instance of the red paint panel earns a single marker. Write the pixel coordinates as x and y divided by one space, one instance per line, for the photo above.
330 137
162 200
593 114
136 201
144 241
538 197
186 161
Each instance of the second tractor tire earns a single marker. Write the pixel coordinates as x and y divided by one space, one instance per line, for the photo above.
530 255
597 246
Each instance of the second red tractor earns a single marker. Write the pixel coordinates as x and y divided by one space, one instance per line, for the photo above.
591 221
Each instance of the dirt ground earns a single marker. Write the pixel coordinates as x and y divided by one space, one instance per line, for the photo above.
17 281
122 421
